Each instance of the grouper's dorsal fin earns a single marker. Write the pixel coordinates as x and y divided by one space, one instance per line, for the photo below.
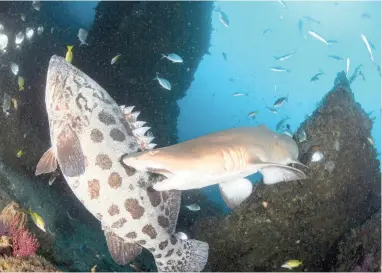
145 141
122 251
47 163
69 153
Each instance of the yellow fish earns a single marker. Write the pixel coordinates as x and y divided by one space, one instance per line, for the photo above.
15 104
37 219
20 153
93 269
292 264
21 83
69 55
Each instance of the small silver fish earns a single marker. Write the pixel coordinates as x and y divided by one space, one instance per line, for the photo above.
266 31
317 156
163 82
239 94
301 136
22 16
308 18
82 36
193 207
284 57
223 18
272 110
279 69
19 38
367 46
280 101
181 235
29 32
6 104
115 59
14 68
1 28
315 77
173 57
347 66
280 124
253 114
338 58
3 41
318 37
36 5
40 30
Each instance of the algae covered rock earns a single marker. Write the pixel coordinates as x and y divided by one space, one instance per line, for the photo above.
305 219
360 249
27 264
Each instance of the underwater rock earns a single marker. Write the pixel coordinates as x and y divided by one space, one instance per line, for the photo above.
360 249
304 219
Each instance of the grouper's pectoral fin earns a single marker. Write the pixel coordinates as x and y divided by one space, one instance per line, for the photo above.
235 192
122 251
274 173
47 163
69 153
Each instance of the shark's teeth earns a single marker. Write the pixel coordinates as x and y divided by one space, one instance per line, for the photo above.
151 146
135 115
122 107
147 139
128 110
141 131
138 124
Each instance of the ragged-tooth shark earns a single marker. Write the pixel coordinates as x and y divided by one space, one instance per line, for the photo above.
89 135
223 158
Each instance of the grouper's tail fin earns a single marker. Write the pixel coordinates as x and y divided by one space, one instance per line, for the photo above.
191 256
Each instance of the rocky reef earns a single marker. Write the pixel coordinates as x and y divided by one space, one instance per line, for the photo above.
141 32
307 219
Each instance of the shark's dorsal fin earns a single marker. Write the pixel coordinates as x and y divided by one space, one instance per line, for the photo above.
122 251
47 163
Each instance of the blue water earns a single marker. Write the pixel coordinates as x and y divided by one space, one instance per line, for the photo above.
209 105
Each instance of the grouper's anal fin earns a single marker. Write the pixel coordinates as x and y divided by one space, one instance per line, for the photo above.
122 251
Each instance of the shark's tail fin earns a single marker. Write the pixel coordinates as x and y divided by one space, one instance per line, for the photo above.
190 256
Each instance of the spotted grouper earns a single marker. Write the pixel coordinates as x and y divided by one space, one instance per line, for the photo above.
89 135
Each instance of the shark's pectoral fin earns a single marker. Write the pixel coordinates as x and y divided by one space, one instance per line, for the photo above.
47 163
235 192
122 251
274 173
69 153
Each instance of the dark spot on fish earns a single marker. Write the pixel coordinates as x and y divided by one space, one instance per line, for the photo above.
179 252
173 240
127 127
104 162
141 183
163 221
158 256
117 135
119 223
162 207
167 211
80 98
151 249
159 263
165 196
141 242
131 187
130 171
155 178
179 262
106 118
150 231
113 210
134 147
96 136
114 180
163 245
131 235
93 189
132 206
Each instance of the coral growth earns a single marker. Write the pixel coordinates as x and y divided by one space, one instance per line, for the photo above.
13 211
24 243
26 264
